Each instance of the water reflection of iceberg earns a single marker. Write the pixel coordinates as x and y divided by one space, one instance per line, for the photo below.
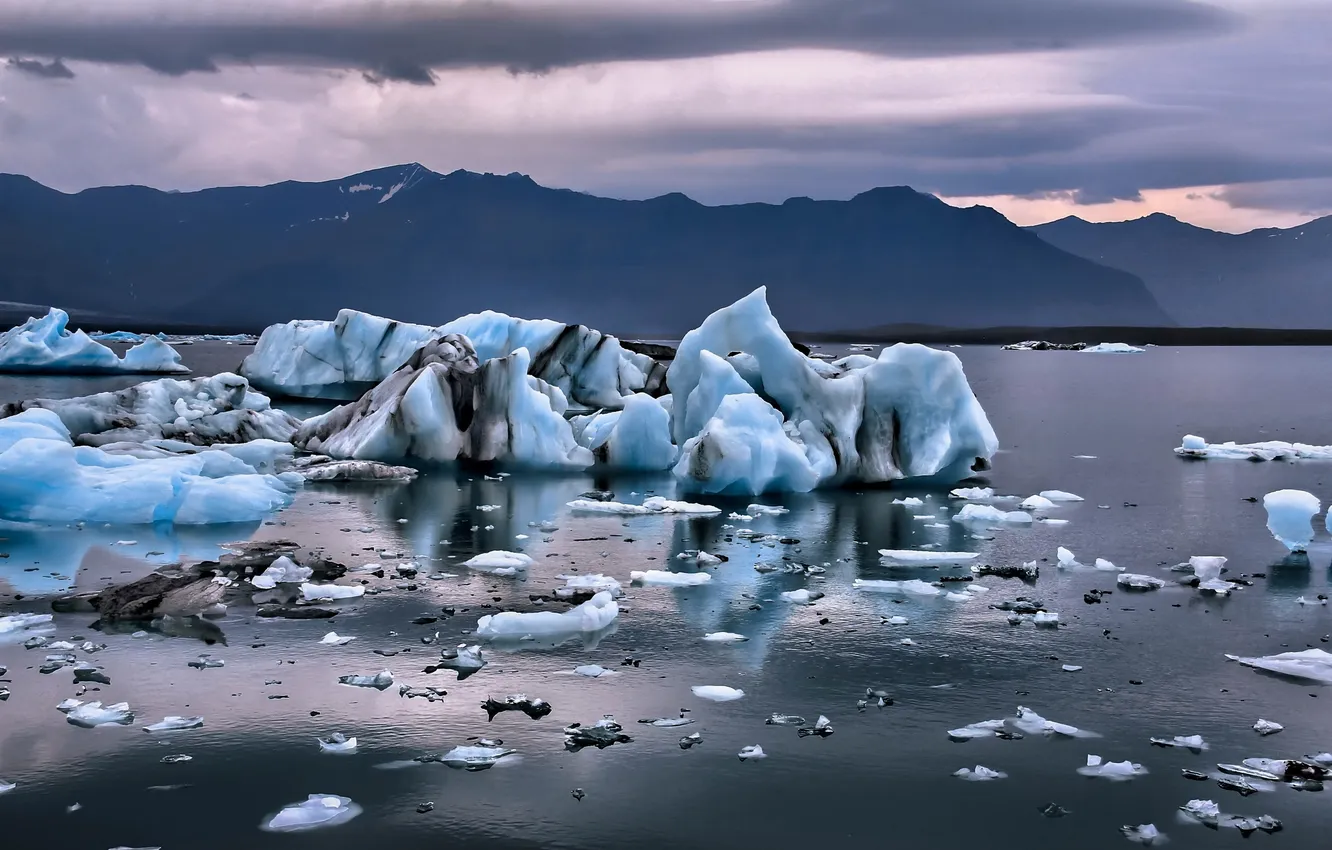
58 554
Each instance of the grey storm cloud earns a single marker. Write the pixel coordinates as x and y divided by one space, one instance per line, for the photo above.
404 41
53 70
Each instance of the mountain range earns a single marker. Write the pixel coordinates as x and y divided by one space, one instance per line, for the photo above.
413 244
1266 278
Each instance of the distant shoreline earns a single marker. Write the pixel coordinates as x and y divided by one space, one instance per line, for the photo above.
884 334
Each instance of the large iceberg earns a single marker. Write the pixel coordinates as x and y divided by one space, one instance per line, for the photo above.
45 478
47 345
202 411
909 413
635 437
442 406
345 358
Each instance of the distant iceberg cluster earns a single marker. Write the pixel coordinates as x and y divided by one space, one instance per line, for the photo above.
739 410
46 344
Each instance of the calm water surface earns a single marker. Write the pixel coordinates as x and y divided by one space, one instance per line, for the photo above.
882 778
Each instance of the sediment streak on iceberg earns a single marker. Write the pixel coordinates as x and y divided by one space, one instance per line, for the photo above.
910 413
441 405
45 478
47 345
202 411
345 358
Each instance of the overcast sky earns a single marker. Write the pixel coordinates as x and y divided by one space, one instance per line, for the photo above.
1217 112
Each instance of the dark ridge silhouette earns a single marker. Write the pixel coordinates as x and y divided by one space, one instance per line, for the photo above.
419 246
1268 278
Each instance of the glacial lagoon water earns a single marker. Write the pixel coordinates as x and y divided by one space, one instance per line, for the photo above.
1152 664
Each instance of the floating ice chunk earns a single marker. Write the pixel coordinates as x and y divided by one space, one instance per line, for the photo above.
593 615
1070 668
90 715
462 659
282 571
1318 600
1115 771
319 810
1066 559
175 723
533 707
1137 581
1205 811
337 743
897 621
1188 742
604 733
6 787
1045 618
499 562
335 639
752 753
47 345
989 514
667 722
1060 496
474 758
380 681
912 587
594 671
330 592
1106 566
1288 517
1036 503
1112 348
717 693
1196 447
980 729
592 583
653 505
1208 570
979 773
909 501
1267 727
1031 722
784 720
1146 834
766 510
724 637
669 579
975 494
920 556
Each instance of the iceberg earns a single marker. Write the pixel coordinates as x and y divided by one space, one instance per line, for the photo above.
1112 348
669 579
592 616
989 514
1288 517
1036 503
380 681
1136 581
90 715
651 505
1115 771
47 345
344 358
717 693
499 562
441 406
975 494
909 413
744 449
924 556
198 412
283 570
45 478
912 587
330 592
638 436
1194 446
1060 496
753 752
1144 833
318 810
590 584
1314 665
175 723
473 758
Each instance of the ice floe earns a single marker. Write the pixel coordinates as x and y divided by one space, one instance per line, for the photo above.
331 592
979 773
1314 665
753 752
976 494
911 587
1060 496
45 478
499 562
669 579
175 723
592 616
1036 503
802 596
717 693
926 556
90 715
601 734
1137 581
651 505
1112 348
533 707
379 681
47 345
1115 771
1145 834
1289 515
316 812
473 758
335 639
990 515
724 637
1196 447
588 585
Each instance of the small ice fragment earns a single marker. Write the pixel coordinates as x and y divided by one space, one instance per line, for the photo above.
474 758
379 681
335 639
499 562
6 787
717 693
462 659
175 723
909 501
1105 565
1137 581
337 743
282 571
1267 727
972 493
784 720
666 722
772 510
666 578
981 729
1036 503
1190 742
319 810
802 596
1060 495
1070 668
330 592
203 662
90 715
989 514
752 753
593 671
1146 834
1066 558
1115 771
592 583
1288 517
897 621
724 637
822 728
1208 570
979 773
1045 618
